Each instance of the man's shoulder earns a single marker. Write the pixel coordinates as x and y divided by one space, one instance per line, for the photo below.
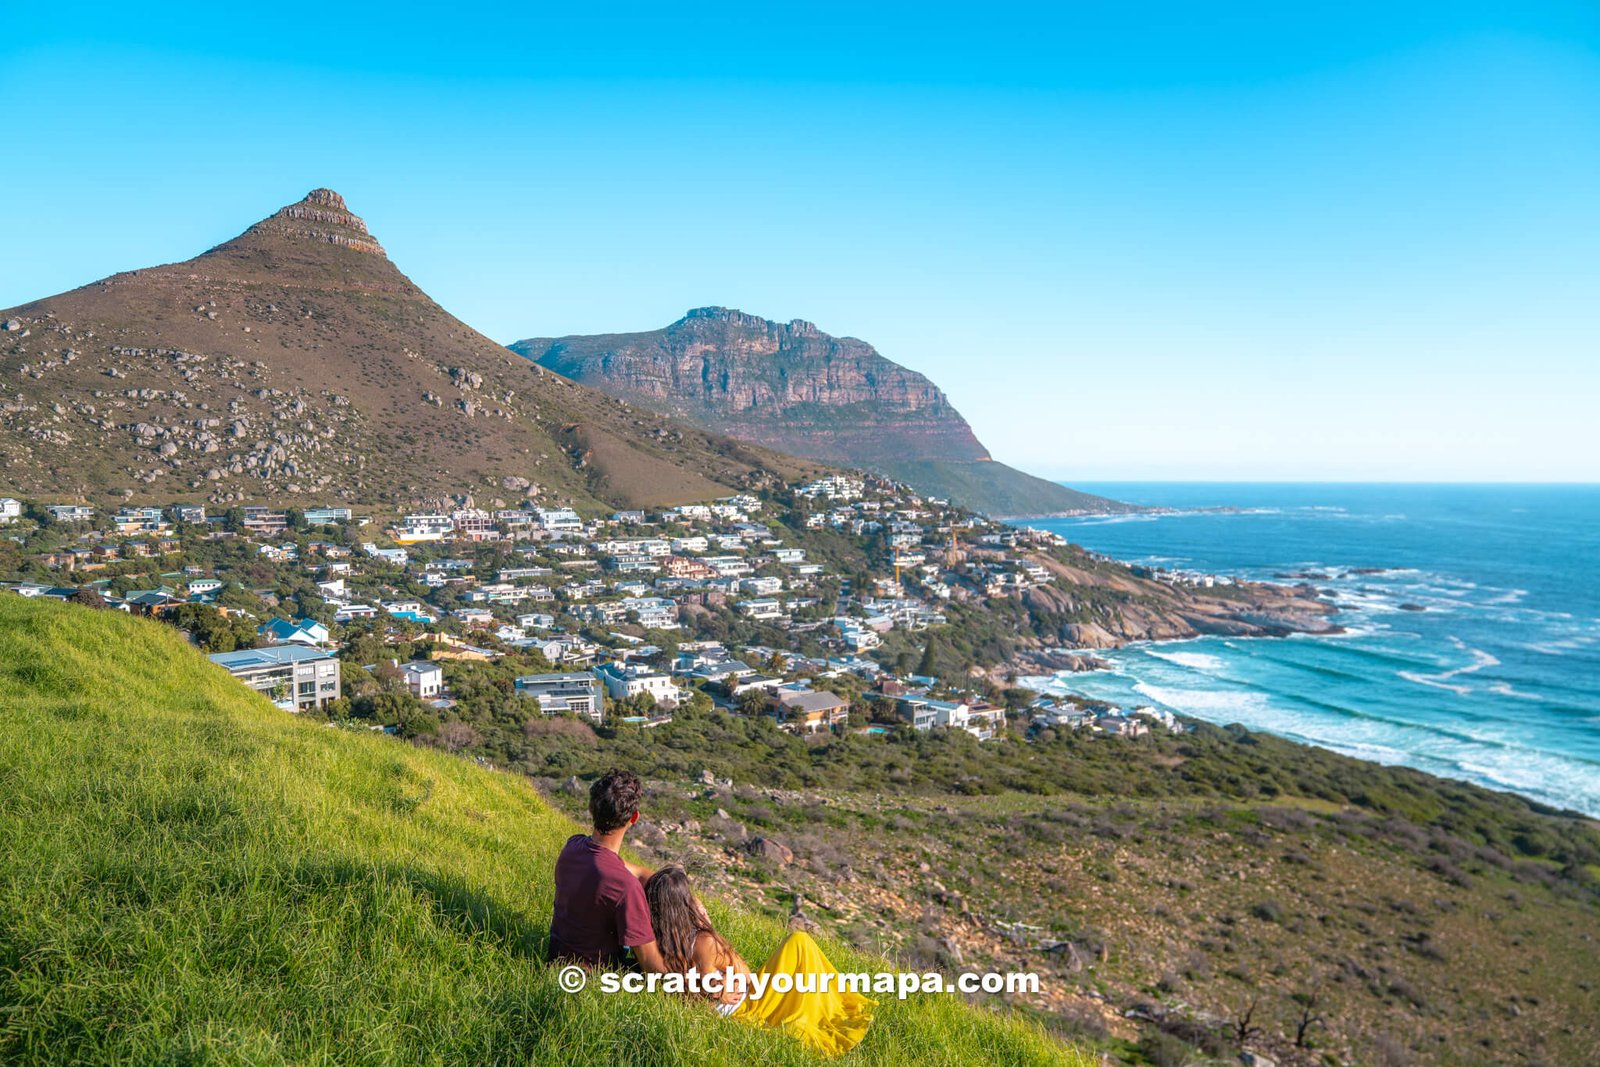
579 845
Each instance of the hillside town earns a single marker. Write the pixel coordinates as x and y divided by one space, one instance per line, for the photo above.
807 606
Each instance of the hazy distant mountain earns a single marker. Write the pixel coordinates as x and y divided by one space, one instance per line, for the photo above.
793 388
296 361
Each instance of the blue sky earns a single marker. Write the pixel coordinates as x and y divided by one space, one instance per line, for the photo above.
1248 241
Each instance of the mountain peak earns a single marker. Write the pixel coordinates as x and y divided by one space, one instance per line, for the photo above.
327 198
796 327
791 387
321 216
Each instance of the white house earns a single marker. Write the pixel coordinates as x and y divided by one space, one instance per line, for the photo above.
10 509
410 610
623 682
424 678
766 585
417 528
763 608
562 520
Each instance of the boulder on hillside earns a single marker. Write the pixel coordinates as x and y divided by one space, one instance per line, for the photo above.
768 849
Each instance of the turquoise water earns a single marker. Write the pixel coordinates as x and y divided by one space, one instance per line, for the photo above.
1496 682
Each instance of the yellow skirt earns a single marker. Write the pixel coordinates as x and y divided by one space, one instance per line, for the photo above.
831 1023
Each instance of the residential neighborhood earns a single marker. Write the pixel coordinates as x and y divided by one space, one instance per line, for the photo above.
815 607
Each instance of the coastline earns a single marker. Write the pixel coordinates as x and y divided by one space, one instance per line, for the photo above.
1466 655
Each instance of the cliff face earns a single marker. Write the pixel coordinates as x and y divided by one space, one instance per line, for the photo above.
297 361
786 385
793 388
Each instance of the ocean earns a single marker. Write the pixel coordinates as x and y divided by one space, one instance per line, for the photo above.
1496 681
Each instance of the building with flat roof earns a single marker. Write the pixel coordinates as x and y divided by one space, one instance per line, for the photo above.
569 692
292 676
624 681
424 678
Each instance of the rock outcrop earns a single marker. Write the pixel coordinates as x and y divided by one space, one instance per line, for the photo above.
791 387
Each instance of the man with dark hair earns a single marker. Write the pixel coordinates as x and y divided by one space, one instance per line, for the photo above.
600 908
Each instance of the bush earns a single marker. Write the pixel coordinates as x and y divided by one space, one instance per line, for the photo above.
1269 911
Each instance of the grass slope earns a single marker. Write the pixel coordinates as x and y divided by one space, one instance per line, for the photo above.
193 876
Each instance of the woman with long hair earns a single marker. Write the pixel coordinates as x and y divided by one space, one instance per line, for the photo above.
826 1019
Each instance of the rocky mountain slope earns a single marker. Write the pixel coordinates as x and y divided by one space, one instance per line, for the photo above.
791 387
297 362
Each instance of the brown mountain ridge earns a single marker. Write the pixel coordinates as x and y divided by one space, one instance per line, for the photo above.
296 362
791 387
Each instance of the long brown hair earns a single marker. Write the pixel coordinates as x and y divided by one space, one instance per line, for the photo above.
679 918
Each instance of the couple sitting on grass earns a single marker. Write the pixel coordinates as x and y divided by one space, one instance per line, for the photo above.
606 908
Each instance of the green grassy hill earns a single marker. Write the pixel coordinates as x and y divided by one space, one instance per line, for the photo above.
191 875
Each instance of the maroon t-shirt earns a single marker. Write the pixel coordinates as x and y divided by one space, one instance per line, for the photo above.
600 906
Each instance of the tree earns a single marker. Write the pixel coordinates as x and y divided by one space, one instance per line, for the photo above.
456 735
1308 1018
88 597
752 701
1244 1028
212 630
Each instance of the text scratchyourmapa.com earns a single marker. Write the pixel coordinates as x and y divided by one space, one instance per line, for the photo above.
900 984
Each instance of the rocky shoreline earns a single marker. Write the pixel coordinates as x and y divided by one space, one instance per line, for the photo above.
1160 611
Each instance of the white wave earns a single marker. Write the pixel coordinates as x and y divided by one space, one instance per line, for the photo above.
1436 681
1111 520
1506 689
1480 660
1199 661
1511 596
1551 778
1350 632
1376 603
1561 645
1369 751
1203 703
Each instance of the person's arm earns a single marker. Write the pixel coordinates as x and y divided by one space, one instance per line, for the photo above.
709 958
633 926
649 957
